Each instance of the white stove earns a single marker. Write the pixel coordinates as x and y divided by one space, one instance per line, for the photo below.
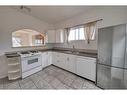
30 62
29 53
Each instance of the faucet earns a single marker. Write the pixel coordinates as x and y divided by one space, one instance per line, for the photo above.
73 48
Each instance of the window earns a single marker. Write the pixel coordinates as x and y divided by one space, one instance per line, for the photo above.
38 40
16 41
76 34
82 33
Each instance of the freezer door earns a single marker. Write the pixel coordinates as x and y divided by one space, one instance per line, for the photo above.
110 77
112 46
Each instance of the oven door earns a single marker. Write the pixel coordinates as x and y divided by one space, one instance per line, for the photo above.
30 62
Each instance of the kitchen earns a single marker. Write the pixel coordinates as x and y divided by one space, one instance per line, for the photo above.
64 55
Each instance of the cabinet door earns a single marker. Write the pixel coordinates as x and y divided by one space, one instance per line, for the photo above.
44 59
56 59
49 58
59 60
86 67
70 63
50 36
60 35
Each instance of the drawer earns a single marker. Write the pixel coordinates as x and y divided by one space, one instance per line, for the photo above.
13 60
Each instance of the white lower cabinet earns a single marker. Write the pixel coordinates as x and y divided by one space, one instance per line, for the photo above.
65 61
46 59
71 63
49 58
59 59
86 67
80 65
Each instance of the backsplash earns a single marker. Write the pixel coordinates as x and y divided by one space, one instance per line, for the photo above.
78 45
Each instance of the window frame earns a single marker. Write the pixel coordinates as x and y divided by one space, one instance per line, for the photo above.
79 34
74 28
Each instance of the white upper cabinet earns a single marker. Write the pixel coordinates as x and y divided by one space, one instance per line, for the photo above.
60 36
55 36
50 36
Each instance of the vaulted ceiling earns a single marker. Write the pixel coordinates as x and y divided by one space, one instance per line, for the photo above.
54 14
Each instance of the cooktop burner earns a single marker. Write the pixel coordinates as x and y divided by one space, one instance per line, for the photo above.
34 51
25 52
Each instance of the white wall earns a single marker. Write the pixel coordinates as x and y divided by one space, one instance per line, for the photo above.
110 15
12 20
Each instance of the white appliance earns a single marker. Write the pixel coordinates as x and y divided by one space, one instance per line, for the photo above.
30 63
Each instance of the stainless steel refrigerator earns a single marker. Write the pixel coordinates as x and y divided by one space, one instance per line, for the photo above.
112 57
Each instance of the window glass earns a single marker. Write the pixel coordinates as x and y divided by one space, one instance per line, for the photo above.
76 34
79 33
71 35
16 41
62 36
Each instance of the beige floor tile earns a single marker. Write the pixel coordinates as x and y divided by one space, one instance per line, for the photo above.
77 83
43 85
25 80
89 85
36 78
28 85
49 78
49 71
43 75
55 83
63 87
61 77
68 81
14 85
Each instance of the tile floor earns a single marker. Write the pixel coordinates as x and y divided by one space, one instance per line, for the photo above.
49 78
